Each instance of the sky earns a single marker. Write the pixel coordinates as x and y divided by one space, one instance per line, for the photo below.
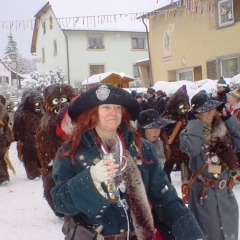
15 10
25 214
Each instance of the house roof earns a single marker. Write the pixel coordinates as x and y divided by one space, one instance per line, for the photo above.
100 77
9 69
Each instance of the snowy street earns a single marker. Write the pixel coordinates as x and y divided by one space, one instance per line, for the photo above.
25 214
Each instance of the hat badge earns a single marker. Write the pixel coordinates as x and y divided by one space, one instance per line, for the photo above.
103 92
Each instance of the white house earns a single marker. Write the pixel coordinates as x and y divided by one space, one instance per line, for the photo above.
84 45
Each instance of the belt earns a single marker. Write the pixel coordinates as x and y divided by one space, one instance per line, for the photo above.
121 236
214 183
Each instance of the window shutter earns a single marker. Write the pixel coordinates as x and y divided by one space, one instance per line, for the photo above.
211 69
236 9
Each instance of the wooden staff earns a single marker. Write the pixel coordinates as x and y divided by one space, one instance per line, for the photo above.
8 162
175 132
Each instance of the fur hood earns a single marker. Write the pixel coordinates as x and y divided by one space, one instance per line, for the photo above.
219 140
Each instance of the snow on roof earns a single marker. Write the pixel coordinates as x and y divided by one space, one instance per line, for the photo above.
99 77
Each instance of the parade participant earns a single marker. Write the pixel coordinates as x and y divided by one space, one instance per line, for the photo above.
25 123
55 97
113 193
208 139
151 127
6 137
176 110
222 90
151 100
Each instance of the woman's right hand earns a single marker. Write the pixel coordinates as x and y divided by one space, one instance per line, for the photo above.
104 170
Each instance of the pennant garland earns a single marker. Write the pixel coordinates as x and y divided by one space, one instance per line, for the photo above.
191 6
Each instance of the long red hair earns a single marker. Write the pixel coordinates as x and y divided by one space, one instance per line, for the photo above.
89 120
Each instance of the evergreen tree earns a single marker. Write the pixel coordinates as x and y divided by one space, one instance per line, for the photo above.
11 52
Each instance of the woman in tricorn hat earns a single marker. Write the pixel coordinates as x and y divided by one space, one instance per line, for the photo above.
106 175
211 138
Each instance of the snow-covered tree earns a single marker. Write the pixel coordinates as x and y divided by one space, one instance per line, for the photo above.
136 83
40 81
11 52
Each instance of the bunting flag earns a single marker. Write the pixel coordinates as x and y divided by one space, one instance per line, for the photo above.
192 6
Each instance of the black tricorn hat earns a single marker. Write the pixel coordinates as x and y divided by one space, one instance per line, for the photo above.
201 102
151 119
104 94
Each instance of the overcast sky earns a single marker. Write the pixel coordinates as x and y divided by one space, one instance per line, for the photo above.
16 10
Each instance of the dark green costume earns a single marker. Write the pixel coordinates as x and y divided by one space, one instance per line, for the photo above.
75 193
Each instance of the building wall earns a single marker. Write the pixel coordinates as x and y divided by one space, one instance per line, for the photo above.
190 41
46 41
117 55
5 74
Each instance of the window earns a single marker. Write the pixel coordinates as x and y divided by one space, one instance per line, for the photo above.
225 13
95 42
136 71
55 47
51 22
137 43
229 67
185 74
96 69
4 80
44 27
43 55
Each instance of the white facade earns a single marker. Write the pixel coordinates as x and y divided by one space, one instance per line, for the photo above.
73 53
5 74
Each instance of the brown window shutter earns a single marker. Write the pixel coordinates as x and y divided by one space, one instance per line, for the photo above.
236 9
211 69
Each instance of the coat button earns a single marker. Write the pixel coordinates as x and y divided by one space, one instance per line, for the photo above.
122 231
84 164
81 157
104 206
98 216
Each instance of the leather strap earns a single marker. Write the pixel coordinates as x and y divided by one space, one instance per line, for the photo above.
121 236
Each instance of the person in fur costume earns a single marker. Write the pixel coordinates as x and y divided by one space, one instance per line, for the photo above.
55 98
25 123
6 137
211 138
176 110
107 177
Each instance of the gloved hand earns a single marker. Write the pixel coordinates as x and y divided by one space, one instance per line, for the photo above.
225 114
190 115
103 170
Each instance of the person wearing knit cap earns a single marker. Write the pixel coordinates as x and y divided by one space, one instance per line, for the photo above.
222 90
211 138
183 89
108 178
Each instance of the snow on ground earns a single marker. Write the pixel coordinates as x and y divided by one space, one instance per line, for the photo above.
25 214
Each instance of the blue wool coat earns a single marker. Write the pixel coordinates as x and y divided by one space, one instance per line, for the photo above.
218 214
75 193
